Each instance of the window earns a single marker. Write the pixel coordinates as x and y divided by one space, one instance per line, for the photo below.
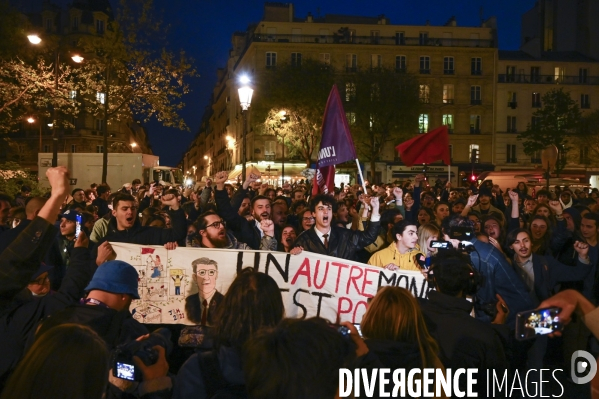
400 63
559 74
448 66
376 61
535 122
271 34
423 38
536 100
46 148
73 148
99 148
474 152
270 148
510 153
75 23
584 101
448 121
511 124
350 91
296 35
584 155
73 94
424 94
535 74
448 91
271 59
510 73
100 124
536 157
423 123
296 59
582 75
325 58
351 118
400 38
511 100
476 64
100 97
475 95
99 26
351 62
375 36
425 64
474 124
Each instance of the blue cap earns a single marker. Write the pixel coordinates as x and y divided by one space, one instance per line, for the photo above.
70 215
115 276
41 270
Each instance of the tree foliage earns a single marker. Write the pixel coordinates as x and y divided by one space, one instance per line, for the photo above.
554 123
13 176
302 92
588 133
386 108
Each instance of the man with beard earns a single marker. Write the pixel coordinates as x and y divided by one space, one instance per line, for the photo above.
212 233
248 231
327 239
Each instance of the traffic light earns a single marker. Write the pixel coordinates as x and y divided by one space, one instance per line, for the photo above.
473 178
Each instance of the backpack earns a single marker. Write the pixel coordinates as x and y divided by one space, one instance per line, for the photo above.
214 381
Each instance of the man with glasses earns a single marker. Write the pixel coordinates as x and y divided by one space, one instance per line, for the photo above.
201 307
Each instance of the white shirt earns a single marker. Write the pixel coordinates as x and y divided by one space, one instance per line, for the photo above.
259 228
321 235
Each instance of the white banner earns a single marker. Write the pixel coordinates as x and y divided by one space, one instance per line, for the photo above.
311 284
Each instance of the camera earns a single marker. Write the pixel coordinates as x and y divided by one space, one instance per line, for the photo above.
123 365
464 246
461 233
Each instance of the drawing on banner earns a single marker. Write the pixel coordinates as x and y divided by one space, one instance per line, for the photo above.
177 279
200 305
147 313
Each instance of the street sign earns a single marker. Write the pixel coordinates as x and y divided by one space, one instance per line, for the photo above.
72 182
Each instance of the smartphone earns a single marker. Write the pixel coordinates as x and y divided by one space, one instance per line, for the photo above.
359 328
124 371
532 323
77 227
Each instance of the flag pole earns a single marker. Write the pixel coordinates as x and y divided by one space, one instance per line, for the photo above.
362 176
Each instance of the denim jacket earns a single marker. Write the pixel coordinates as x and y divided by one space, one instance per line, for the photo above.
499 277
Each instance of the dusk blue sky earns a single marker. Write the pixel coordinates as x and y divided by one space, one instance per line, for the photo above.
203 28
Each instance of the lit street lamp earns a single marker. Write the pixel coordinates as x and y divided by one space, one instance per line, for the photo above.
245 99
35 39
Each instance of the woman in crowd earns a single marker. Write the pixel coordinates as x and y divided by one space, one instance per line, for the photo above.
475 221
252 302
426 233
306 220
341 217
441 211
68 361
394 330
540 233
425 215
545 211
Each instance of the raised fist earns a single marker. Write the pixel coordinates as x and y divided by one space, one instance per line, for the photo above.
398 192
268 227
472 200
221 177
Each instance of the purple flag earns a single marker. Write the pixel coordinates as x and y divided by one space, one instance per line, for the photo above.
336 145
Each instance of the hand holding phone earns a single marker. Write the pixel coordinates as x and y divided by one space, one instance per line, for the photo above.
532 323
78 226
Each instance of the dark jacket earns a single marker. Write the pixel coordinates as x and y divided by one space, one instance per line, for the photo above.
102 205
21 258
148 235
463 340
343 243
498 278
18 325
193 308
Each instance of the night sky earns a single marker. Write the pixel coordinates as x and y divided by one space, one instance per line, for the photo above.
203 28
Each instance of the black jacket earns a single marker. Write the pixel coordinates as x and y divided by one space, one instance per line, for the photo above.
148 235
343 243
102 205
193 308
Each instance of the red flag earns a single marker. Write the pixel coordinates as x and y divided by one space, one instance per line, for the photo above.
147 250
426 148
336 145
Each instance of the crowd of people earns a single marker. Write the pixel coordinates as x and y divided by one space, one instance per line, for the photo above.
487 255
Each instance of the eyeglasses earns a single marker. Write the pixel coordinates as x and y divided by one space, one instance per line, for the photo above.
216 225
41 281
210 272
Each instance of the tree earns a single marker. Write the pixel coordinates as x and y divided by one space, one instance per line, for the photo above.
555 123
385 106
588 133
302 92
12 177
130 71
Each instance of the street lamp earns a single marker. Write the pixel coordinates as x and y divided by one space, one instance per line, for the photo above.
245 99
35 39
133 145
283 118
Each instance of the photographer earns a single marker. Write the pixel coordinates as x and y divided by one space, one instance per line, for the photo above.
497 274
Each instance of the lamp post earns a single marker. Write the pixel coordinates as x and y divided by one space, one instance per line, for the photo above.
245 99
32 120
35 39
283 118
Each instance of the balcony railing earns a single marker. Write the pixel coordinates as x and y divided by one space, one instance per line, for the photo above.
449 72
512 104
548 79
475 102
379 40
474 130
